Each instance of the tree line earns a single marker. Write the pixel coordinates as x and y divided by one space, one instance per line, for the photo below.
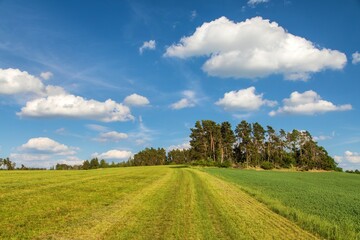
94 163
248 145
252 145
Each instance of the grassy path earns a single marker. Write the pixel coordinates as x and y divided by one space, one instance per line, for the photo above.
138 203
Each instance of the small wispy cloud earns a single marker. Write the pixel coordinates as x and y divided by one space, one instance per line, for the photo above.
189 100
148 45
193 15
355 57
144 135
253 3
112 136
97 128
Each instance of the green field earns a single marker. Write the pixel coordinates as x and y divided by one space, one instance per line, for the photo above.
327 203
169 202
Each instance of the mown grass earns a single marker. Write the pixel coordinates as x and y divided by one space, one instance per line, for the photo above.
326 203
134 203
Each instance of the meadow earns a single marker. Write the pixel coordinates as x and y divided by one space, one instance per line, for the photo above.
167 202
326 203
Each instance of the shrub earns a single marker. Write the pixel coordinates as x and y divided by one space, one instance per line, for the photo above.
338 169
225 164
202 162
267 165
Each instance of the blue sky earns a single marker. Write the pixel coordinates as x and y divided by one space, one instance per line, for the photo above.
80 79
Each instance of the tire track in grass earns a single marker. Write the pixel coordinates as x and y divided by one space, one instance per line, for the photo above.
246 217
121 213
211 222
166 214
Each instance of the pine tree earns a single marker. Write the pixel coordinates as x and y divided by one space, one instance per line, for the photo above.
228 140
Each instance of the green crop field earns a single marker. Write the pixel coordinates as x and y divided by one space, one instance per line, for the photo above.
175 202
327 203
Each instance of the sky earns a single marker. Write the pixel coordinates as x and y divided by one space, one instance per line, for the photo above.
82 79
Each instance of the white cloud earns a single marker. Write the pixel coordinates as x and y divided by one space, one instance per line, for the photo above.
44 152
136 100
308 103
356 57
51 90
322 138
96 127
352 157
76 107
46 75
43 160
15 81
188 100
252 3
113 154
112 136
338 159
29 157
150 45
255 48
46 145
71 160
183 146
182 103
244 100
350 160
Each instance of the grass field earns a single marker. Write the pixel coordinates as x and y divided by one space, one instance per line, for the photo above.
166 202
327 203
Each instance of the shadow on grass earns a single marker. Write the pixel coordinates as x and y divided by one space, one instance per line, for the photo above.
180 166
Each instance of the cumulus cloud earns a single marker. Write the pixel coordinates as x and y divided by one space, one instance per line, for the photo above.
70 160
46 75
44 152
113 155
14 81
352 157
244 100
349 160
54 101
51 90
356 57
188 100
183 146
76 107
308 103
46 145
150 45
136 100
252 3
255 48
112 136
43 160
